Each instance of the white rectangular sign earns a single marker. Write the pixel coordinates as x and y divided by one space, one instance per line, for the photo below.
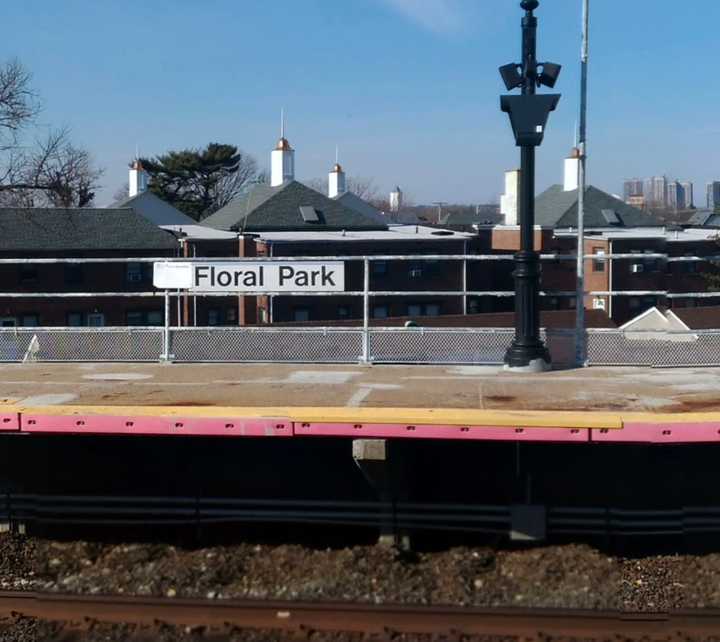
213 276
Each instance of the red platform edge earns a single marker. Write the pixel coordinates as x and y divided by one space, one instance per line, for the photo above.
161 425
632 432
9 421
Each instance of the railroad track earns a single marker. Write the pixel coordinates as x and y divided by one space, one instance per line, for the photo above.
361 618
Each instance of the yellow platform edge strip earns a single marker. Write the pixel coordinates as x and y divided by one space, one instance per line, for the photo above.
401 416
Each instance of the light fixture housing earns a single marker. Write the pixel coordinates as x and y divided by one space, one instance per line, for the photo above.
528 116
511 76
549 75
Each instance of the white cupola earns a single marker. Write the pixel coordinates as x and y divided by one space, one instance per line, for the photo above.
337 185
282 159
396 199
139 179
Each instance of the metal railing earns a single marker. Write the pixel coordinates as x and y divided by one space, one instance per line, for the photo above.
363 343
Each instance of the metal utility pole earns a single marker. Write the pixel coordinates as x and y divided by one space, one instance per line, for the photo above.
580 339
528 116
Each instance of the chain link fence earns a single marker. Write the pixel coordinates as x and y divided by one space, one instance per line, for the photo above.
481 346
80 344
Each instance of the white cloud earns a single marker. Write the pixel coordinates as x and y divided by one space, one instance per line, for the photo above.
440 16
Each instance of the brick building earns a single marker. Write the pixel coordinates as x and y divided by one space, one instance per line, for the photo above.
79 233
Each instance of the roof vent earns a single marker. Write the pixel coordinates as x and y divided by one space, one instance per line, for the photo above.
611 217
309 214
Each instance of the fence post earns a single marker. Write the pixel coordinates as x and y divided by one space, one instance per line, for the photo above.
365 358
464 286
165 356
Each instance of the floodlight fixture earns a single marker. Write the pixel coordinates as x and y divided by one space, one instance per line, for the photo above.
511 76
529 116
549 74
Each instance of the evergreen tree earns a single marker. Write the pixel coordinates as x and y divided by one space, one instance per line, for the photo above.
199 182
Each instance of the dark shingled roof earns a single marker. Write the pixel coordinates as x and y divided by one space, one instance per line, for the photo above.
277 209
705 218
77 229
558 208
154 209
487 215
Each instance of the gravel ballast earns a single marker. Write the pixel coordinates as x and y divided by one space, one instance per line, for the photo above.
571 576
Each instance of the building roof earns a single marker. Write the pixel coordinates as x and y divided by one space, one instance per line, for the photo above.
392 233
197 232
79 229
486 215
354 202
705 218
154 209
676 319
264 208
557 208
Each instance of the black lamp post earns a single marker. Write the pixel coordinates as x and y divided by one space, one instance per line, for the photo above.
528 116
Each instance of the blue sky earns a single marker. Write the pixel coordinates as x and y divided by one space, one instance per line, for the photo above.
407 88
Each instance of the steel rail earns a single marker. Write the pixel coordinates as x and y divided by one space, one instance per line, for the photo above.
358 618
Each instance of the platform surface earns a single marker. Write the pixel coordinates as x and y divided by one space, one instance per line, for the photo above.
678 390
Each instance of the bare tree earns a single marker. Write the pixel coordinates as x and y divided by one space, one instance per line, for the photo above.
19 104
232 185
50 171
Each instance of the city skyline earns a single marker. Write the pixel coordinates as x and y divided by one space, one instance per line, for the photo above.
408 90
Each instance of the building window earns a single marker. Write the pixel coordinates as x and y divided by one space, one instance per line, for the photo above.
650 265
634 303
415 309
154 317
598 266
231 314
380 312
263 315
343 311
73 273
572 302
598 303
28 273
379 268
8 322
134 273
415 271
96 319
432 309
75 319
689 266
134 317
214 316
301 314
30 320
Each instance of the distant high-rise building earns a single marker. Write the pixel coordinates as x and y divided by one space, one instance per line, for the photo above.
655 191
689 193
713 195
675 197
632 187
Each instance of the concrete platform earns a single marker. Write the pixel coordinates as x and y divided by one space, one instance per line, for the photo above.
453 402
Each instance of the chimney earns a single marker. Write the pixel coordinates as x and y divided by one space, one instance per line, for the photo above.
337 185
282 159
138 178
396 199
572 170
509 200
